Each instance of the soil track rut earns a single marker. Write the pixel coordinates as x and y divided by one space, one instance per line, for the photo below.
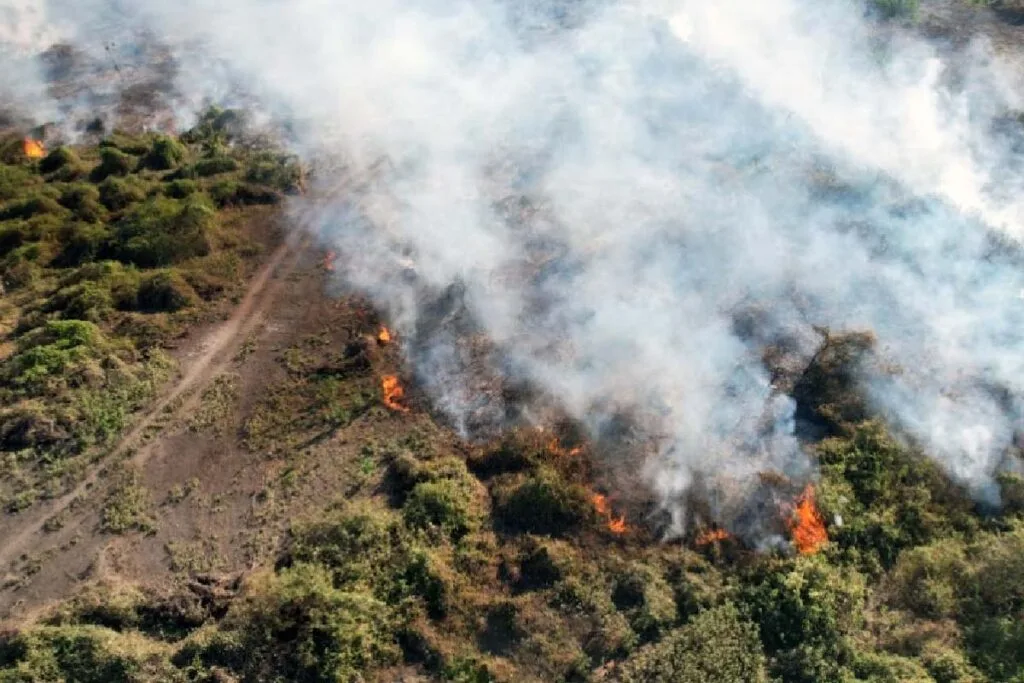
218 349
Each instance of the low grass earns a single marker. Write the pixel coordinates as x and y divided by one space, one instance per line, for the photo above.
107 258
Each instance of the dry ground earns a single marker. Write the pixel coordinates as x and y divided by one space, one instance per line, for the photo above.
207 479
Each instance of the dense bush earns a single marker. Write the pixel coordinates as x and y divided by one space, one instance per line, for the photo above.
543 504
117 194
164 154
442 505
295 625
165 290
805 609
56 354
57 159
84 201
13 179
181 188
211 166
163 231
717 646
112 163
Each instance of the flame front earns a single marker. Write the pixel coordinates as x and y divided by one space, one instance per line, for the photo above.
393 393
709 536
807 525
384 336
555 447
616 525
33 148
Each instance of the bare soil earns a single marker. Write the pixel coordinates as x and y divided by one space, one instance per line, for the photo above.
214 503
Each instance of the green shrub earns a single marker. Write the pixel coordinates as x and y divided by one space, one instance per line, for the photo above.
164 154
804 608
717 646
646 598
127 507
166 291
123 142
890 498
83 242
212 166
443 505
112 163
246 194
13 180
163 231
33 206
84 201
181 188
276 171
117 194
84 654
297 626
223 192
53 355
59 158
84 301
543 504
359 545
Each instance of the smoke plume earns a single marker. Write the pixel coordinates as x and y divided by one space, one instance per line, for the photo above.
601 188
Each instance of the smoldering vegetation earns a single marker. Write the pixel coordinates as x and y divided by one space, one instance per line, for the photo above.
650 210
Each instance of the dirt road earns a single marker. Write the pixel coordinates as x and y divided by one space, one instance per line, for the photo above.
217 349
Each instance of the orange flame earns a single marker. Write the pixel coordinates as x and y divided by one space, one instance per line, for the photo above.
329 261
33 148
616 525
709 536
807 525
555 448
384 336
393 393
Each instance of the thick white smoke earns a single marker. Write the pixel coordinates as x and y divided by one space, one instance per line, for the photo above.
669 152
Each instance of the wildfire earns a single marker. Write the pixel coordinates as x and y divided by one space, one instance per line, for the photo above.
709 536
384 336
329 261
33 148
555 447
393 393
807 525
616 525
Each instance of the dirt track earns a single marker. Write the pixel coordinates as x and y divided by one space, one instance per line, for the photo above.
217 349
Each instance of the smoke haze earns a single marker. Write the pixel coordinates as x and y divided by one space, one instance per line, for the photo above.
603 187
